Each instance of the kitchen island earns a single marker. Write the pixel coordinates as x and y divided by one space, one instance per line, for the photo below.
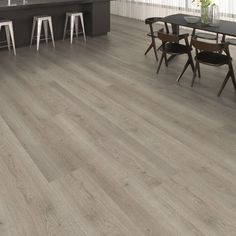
21 12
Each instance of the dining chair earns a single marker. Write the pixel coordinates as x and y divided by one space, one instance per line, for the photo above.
204 36
216 54
153 34
171 46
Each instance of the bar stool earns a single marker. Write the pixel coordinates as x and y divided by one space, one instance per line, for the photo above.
39 20
8 25
74 24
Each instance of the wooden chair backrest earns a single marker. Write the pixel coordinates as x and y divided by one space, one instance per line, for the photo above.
209 47
151 20
166 37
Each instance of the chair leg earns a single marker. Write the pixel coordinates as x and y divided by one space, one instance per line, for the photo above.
39 26
194 74
65 27
32 33
232 75
185 68
198 70
166 60
159 66
8 37
152 45
51 31
155 49
12 37
83 29
45 27
148 49
171 58
191 61
224 83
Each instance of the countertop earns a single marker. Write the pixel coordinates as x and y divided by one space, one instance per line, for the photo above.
22 4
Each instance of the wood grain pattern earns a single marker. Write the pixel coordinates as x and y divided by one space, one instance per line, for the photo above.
92 142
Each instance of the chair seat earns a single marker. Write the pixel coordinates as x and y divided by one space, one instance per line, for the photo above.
206 36
175 48
212 58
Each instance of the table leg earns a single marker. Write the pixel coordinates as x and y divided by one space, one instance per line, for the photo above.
175 28
223 39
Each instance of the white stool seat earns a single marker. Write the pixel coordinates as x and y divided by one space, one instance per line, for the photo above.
43 17
8 25
74 13
39 20
74 25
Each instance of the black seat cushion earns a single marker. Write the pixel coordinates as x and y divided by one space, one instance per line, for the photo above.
212 58
175 48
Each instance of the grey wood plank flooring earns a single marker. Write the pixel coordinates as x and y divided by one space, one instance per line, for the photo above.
93 142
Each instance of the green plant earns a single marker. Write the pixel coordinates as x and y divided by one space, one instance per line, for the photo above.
203 3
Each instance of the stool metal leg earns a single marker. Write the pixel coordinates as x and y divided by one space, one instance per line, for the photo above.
8 37
65 27
77 26
51 31
72 24
82 24
12 37
39 27
45 27
32 33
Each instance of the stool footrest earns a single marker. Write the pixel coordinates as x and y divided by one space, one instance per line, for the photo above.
80 32
6 46
41 39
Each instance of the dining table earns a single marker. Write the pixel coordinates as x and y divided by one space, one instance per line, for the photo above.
226 28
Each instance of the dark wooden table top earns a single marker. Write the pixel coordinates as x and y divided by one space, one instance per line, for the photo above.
225 27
